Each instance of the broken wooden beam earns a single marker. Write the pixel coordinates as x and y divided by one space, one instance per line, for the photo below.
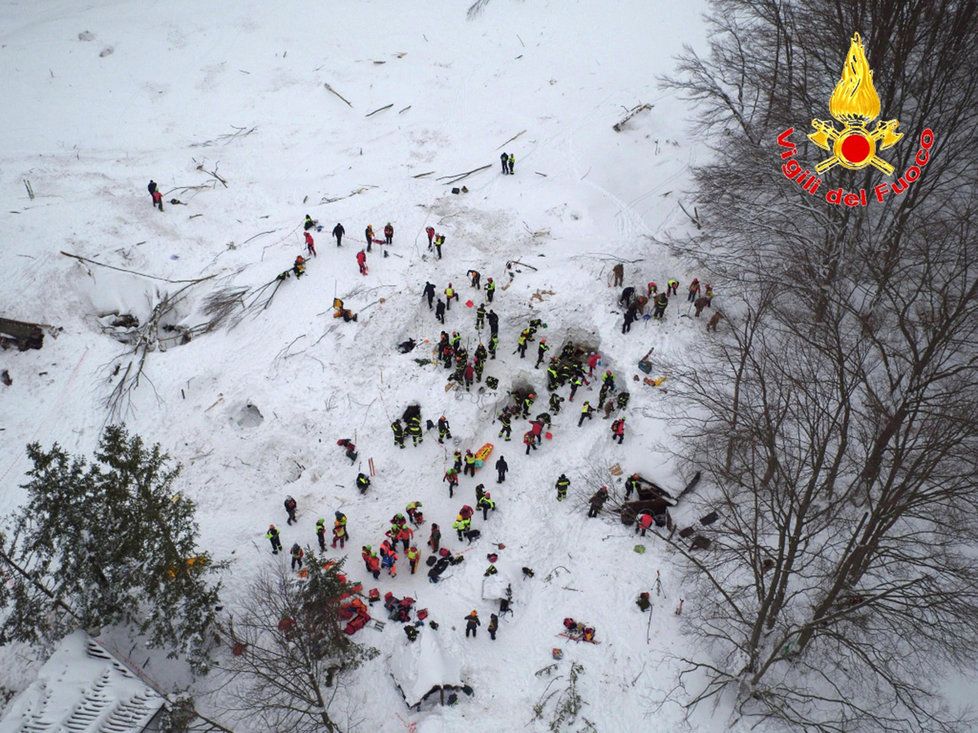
422 175
459 177
511 139
24 335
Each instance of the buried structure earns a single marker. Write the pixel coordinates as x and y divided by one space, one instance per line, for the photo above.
428 670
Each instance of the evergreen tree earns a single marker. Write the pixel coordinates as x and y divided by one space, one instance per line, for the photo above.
109 542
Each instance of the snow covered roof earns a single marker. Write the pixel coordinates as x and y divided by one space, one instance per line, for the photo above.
82 689
420 666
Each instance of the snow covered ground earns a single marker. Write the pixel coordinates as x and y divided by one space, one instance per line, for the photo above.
101 96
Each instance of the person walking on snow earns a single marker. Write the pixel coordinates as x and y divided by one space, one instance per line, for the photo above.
469 376
631 315
272 536
493 319
338 232
542 350
555 400
339 531
362 262
310 244
371 560
461 526
157 199
434 540
413 556
414 513
469 464
440 311
490 289
429 293
701 303
694 291
504 161
369 235
562 483
597 501
507 427
472 623
449 295
618 430
512 162
389 233
480 317
660 303
430 231
501 468
398 433
451 476
486 504
528 403
321 533
444 429
439 241
290 506
297 554
618 272
586 411
493 626
405 534
530 441
626 296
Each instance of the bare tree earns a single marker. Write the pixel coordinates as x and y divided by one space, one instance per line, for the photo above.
288 651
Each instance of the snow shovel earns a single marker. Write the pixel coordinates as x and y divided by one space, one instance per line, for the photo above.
644 364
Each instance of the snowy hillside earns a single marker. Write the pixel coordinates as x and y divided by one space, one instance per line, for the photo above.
101 97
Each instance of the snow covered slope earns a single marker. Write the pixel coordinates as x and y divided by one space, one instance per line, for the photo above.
102 96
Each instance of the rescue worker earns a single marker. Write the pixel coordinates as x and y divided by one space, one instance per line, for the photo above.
528 403
490 289
493 626
552 378
450 295
362 262
694 290
363 482
708 294
297 554
338 232
440 311
290 507
413 514
507 428
398 433
472 623
622 400
444 429
586 411
530 441
339 530
493 344
504 161
480 317
653 288
701 303
461 526
480 361
429 293
643 522
389 233
493 321
631 315
597 501
321 533
371 560
618 430
434 540
512 162
631 484
369 235
501 468
308 223
310 244
469 376
555 400
672 286
451 476
414 430
576 381
618 271
542 350
659 306
521 345
469 464
486 504
413 556
439 241
404 534
626 296
430 231
562 484
299 267
272 536
474 278
457 458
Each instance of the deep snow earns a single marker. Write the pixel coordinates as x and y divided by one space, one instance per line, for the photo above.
89 128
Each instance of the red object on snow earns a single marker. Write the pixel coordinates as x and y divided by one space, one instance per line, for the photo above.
469 304
548 436
356 624
443 552
422 614
373 594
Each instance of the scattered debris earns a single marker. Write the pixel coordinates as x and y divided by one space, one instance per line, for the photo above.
422 175
402 111
21 334
460 176
5 378
617 127
333 91
381 109
511 139
30 189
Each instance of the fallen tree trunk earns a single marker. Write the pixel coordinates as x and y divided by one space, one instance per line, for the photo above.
330 89
381 109
617 127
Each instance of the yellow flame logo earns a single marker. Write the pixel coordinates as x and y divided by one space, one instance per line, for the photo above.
854 103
